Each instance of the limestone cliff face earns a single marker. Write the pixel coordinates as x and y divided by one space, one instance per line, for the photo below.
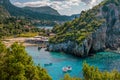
106 36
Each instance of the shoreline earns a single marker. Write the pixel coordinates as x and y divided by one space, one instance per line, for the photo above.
20 40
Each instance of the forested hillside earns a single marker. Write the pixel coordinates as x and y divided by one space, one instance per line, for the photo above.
43 9
16 11
96 30
19 26
14 27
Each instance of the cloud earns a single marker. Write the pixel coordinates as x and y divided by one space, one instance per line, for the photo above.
91 3
86 1
59 4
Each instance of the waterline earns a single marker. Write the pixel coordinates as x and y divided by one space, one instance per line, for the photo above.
103 60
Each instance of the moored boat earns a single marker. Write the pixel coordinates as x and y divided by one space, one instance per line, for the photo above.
64 69
67 68
39 48
47 64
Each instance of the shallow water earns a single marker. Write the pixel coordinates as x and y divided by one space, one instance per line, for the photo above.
102 60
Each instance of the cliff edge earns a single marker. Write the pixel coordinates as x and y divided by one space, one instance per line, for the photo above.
96 30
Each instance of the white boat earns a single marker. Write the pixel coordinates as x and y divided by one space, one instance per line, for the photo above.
67 68
64 69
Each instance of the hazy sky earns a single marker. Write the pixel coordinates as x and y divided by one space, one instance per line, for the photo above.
64 7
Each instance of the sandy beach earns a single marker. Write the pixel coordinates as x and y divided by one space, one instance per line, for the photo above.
21 40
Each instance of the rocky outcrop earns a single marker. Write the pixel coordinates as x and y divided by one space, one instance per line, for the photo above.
106 36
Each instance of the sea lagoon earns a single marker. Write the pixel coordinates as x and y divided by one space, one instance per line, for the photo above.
103 60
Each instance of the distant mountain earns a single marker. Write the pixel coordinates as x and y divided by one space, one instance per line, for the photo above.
75 16
44 10
16 11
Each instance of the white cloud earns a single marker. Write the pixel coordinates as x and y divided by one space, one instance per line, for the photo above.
93 3
54 3
18 4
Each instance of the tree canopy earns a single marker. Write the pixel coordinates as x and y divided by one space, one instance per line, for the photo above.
16 64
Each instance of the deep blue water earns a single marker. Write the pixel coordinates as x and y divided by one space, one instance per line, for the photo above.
103 60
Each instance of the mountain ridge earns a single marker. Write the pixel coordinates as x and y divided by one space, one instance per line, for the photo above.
43 9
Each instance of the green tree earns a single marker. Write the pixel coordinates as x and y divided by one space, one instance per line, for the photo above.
68 77
16 64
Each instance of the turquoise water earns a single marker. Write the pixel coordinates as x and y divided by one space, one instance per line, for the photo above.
103 60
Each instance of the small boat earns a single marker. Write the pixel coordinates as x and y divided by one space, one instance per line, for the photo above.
39 48
47 64
64 69
67 69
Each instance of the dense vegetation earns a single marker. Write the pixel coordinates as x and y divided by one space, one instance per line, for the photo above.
16 27
80 28
76 30
116 2
16 64
93 73
11 26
